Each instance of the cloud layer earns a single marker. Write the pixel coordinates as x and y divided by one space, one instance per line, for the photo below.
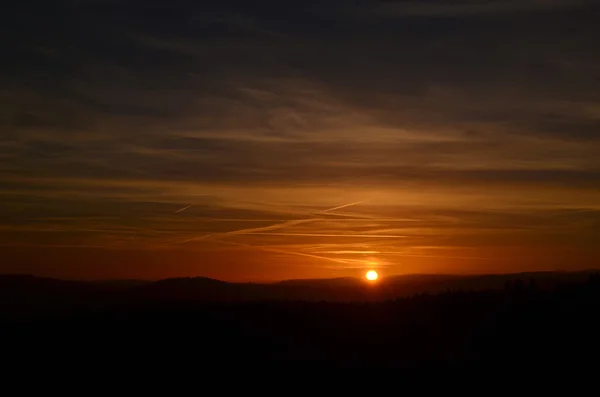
468 130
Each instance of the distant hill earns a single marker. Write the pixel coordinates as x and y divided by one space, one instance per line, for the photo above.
120 283
340 281
23 295
171 320
19 292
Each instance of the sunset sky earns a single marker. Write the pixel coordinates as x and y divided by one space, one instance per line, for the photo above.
266 140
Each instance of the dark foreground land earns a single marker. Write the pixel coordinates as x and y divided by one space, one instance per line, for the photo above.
522 324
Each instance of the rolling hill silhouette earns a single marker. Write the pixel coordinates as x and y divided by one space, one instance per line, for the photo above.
415 321
31 291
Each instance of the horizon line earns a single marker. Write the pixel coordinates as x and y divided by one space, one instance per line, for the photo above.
382 277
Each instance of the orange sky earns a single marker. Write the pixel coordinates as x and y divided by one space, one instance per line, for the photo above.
304 232
280 140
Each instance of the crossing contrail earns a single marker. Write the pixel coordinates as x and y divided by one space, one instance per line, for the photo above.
276 226
258 247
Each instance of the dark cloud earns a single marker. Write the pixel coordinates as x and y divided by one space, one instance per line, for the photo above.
454 9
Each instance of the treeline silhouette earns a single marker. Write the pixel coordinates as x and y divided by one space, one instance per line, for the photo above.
518 325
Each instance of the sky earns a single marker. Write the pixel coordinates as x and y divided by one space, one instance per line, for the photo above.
267 140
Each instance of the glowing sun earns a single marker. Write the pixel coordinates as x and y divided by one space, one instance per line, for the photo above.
371 275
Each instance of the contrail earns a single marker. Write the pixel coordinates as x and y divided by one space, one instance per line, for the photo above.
342 206
286 223
343 261
275 226
254 230
349 252
345 215
267 228
329 235
182 209
440 256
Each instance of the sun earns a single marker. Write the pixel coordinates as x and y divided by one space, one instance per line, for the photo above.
372 275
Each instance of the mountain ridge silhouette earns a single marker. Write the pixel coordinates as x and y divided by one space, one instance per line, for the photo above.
47 291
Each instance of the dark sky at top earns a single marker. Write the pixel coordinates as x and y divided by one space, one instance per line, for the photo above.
158 138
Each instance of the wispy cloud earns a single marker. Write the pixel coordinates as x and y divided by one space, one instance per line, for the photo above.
444 8
265 128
